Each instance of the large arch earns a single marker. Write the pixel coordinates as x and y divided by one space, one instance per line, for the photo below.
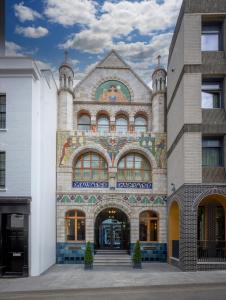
90 148
208 192
173 230
112 229
136 149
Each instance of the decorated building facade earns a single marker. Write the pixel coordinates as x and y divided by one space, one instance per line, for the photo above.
111 161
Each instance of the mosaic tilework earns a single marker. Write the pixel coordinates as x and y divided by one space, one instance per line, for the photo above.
152 252
70 253
93 199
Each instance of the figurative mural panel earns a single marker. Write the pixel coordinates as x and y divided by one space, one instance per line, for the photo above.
113 91
69 142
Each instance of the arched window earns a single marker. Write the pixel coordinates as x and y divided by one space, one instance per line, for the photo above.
140 124
121 124
103 124
134 167
148 226
90 167
75 225
84 122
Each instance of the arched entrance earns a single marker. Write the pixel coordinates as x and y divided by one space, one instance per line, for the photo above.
112 229
211 227
174 231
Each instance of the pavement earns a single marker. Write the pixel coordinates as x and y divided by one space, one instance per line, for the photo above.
72 277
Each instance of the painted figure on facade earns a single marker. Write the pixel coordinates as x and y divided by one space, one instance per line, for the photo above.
112 91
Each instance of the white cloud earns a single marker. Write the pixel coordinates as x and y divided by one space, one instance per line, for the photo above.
70 12
32 32
13 49
24 13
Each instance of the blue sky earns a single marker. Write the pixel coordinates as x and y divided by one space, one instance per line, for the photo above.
139 30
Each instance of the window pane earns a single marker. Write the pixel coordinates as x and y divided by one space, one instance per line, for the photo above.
144 230
70 224
211 157
153 230
2 111
84 120
80 230
210 42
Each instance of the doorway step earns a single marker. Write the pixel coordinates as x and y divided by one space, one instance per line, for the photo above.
112 258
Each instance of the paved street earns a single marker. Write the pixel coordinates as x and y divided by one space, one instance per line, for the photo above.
203 292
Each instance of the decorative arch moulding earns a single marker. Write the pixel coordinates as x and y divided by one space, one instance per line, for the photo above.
117 91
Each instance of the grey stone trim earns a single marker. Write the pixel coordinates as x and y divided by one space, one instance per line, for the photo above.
196 7
113 104
210 175
22 72
185 128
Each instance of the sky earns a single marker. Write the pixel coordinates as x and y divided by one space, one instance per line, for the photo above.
139 30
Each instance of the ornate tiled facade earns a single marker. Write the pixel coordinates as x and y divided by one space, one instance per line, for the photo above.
132 198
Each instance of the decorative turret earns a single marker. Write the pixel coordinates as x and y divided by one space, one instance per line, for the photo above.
159 99
66 74
159 78
65 95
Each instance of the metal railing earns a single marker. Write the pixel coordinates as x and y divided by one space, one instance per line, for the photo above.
212 251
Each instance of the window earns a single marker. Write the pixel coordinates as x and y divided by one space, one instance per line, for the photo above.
121 124
2 111
212 152
75 225
2 170
148 226
134 168
140 124
212 37
91 167
103 124
212 94
84 123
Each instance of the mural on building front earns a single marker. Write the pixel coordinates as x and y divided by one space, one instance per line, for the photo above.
68 143
112 91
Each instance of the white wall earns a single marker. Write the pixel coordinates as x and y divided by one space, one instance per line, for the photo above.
43 217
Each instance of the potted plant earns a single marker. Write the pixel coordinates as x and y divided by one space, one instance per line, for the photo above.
137 256
88 259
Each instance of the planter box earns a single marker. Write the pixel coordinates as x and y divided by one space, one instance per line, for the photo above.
137 266
88 267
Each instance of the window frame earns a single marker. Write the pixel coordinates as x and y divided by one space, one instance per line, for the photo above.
85 124
220 149
121 126
2 112
103 116
141 126
3 169
75 218
123 170
210 29
98 169
149 219
208 81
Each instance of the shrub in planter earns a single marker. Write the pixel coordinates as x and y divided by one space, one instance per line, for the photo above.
137 256
88 259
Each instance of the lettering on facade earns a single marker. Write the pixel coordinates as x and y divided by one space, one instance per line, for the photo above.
134 185
82 184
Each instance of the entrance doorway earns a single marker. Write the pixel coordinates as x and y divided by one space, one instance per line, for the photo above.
112 229
14 260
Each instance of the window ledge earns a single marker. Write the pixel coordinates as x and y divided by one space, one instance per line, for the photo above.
3 189
3 129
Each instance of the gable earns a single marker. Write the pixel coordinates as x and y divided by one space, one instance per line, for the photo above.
112 80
